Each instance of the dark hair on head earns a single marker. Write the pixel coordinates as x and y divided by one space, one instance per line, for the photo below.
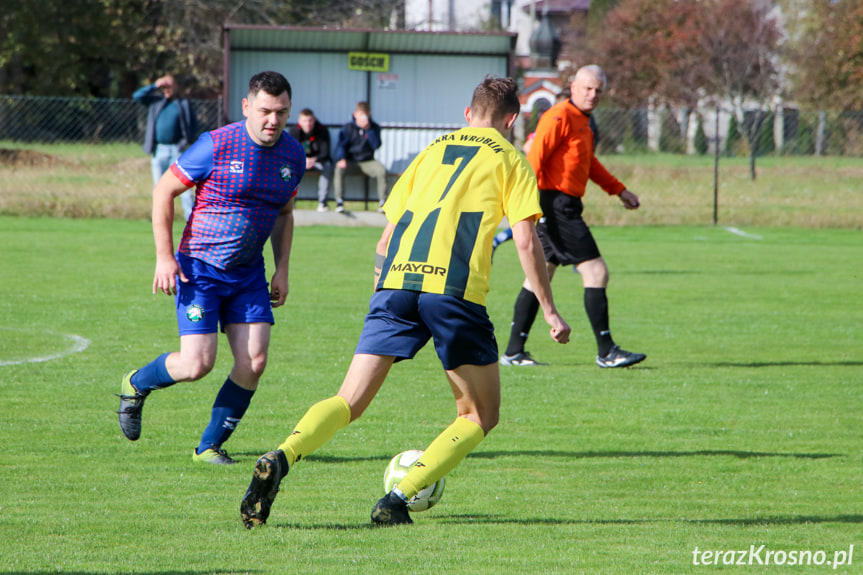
307 112
270 82
496 97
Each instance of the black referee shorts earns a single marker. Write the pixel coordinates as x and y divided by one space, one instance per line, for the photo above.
566 239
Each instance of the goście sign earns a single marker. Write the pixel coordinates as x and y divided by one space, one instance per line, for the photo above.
368 61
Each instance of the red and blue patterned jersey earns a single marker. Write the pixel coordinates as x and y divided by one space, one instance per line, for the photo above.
240 189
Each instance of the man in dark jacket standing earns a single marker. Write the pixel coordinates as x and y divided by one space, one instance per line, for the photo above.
358 141
315 139
171 127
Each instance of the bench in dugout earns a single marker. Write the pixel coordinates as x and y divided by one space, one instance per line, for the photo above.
357 186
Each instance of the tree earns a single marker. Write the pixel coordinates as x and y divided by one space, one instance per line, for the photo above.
682 52
109 47
828 54
651 50
742 45
187 36
54 47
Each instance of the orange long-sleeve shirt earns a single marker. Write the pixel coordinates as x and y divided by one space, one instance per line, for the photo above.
562 153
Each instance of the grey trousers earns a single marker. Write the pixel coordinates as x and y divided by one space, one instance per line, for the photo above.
373 169
163 156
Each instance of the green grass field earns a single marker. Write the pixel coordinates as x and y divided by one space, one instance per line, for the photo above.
742 428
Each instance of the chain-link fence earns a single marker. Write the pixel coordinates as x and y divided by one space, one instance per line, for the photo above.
50 120
785 131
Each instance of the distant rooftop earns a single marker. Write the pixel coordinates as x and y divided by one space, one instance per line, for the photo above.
559 6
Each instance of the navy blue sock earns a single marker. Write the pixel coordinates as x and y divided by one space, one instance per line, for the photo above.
230 406
152 376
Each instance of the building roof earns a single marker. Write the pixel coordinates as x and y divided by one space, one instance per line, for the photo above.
559 6
294 38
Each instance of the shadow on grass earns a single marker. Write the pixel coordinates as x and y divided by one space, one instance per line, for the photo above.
580 455
741 522
327 526
464 519
319 458
612 454
788 364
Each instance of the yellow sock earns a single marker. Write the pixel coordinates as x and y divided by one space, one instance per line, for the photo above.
316 427
442 456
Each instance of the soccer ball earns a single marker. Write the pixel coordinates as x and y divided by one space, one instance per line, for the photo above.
399 467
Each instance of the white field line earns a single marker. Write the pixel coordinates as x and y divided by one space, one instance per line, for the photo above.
79 344
740 232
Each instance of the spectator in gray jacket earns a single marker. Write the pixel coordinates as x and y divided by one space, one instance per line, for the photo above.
171 127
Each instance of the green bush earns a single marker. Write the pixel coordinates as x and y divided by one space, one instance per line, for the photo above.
701 143
836 139
735 143
732 137
671 139
766 143
804 143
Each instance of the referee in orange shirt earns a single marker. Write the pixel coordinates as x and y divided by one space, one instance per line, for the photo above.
562 156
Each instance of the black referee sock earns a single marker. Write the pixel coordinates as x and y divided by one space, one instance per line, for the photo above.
526 308
596 306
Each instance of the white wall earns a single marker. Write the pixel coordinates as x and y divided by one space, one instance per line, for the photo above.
419 98
469 15
464 15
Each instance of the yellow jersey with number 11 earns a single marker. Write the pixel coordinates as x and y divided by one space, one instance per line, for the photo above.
447 206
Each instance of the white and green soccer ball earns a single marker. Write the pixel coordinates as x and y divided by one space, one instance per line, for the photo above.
399 467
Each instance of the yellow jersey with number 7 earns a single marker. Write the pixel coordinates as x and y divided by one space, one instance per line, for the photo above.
447 206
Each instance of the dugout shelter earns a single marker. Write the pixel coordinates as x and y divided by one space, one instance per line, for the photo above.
417 83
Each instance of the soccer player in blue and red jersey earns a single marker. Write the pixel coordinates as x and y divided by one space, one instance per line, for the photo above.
246 176
432 276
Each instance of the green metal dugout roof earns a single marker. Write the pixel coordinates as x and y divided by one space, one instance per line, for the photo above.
292 38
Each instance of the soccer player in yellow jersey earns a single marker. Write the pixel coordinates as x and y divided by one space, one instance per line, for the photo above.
431 279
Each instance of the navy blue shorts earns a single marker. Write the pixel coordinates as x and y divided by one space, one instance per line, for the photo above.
214 296
400 322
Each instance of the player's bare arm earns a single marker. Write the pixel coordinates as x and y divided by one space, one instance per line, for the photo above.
282 238
381 250
533 263
167 268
